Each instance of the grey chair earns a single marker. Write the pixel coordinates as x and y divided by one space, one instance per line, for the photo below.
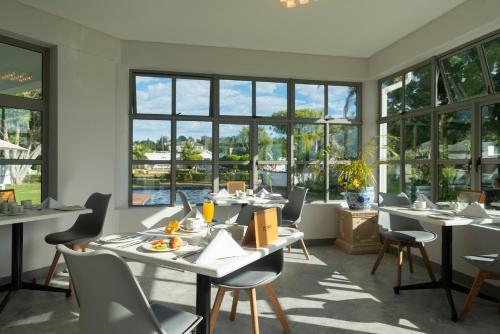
87 228
111 301
258 274
185 203
489 268
402 232
292 213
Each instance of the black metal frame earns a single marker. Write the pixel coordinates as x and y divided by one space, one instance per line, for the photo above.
253 121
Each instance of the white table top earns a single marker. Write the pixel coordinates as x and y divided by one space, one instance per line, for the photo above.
215 268
423 216
32 215
252 200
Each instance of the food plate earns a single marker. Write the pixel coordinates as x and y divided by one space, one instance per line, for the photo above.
149 246
286 231
120 237
438 216
418 209
182 229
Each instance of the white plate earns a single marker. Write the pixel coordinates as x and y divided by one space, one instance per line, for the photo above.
418 209
286 231
442 217
147 246
182 229
120 237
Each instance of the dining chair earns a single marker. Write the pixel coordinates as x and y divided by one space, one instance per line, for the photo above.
259 274
492 199
185 203
233 186
8 195
87 228
402 232
489 268
112 302
470 196
292 213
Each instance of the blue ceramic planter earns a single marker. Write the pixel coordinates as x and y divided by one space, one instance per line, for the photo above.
361 199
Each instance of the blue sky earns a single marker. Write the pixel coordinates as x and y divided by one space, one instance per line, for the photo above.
146 129
194 129
235 97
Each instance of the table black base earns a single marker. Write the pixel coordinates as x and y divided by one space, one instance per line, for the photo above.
203 290
28 286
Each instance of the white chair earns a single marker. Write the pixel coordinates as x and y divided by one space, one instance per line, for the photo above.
112 302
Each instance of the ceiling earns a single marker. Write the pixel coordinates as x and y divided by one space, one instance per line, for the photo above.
352 28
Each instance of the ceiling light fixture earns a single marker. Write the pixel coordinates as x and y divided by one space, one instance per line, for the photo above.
293 3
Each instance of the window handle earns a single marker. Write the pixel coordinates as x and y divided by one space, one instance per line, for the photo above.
478 163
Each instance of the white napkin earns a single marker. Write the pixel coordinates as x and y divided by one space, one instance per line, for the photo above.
222 194
222 246
428 202
263 193
474 210
49 203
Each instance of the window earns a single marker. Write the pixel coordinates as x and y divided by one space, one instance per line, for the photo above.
418 88
392 96
492 50
24 108
195 133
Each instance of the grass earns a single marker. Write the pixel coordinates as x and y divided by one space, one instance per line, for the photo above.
26 191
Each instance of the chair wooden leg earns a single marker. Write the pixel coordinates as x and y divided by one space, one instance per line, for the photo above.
400 263
410 261
304 249
427 263
289 248
277 308
253 306
53 266
380 256
236 296
472 294
215 309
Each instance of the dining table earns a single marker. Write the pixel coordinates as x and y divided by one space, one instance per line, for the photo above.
185 259
17 222
267 200
447 220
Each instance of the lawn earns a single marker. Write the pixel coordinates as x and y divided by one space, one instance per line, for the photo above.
25 191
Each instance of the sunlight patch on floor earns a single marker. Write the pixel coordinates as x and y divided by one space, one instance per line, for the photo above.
341 295
407 323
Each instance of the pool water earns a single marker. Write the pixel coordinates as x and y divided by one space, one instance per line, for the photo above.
162 196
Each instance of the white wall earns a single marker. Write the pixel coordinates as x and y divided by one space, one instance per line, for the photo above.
86 99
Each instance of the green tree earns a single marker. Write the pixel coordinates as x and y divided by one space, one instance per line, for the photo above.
139 152
189 151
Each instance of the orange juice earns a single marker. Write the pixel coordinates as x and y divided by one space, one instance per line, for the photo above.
208 211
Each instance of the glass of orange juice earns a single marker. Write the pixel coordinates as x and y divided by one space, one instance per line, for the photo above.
208 211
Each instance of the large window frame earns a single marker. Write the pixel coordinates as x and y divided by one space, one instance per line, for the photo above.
41 105
436 110
253 121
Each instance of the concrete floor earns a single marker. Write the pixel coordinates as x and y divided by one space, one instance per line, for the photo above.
331 293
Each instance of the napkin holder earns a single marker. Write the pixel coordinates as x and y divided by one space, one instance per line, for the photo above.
263 229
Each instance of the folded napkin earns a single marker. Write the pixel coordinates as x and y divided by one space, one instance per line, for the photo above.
222 194
263 193
428 202
49 203
474 210
222 246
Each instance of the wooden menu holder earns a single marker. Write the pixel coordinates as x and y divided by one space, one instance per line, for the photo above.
263 229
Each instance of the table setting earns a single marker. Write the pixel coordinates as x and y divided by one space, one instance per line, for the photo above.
263 196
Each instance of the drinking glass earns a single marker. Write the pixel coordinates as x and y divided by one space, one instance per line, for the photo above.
208 211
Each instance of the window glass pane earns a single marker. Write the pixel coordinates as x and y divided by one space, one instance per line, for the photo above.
455 135
311 176
490 131
192 97
309 101
441 95
26 180
418 88
389 177
492 50
194 180
343 142
451 179
20 72
308 142
417 137
20 134
271 99
342 102
234 142
335 190
418 181
389 141
150 184
235 98
273 178
272 142
464 75
392 96
151 140
236 172
153 95
194 140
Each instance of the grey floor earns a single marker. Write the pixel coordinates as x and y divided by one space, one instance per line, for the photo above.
331 293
